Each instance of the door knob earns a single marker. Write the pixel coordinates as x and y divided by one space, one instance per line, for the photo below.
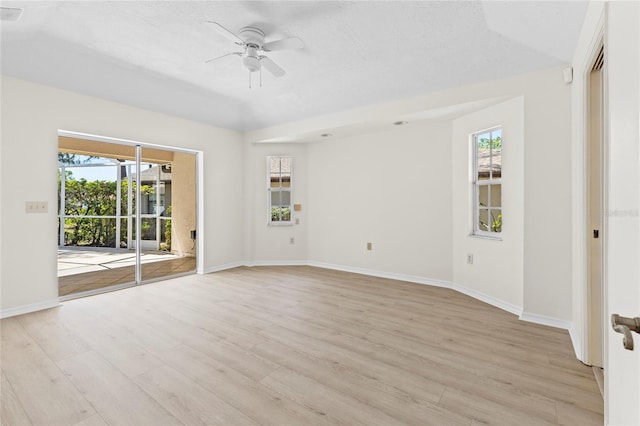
625 326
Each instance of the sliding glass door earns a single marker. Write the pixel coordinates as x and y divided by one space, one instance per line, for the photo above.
168 214
94 231
107 192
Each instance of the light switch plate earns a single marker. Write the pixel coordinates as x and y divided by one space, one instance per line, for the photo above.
36 206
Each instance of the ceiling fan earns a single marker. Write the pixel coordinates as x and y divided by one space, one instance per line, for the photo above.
251 41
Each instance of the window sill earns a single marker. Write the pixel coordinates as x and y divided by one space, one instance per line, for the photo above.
276 224
486 237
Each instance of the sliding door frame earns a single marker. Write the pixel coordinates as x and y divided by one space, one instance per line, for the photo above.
138 220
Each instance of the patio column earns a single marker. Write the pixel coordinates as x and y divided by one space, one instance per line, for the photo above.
63 184
118 203
138 218
157 212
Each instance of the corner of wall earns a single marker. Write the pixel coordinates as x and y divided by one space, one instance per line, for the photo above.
546 320
496 275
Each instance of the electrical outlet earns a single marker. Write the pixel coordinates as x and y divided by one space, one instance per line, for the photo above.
292 240
369 246
470 259
36 207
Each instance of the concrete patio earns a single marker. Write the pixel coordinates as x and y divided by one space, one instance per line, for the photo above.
81 270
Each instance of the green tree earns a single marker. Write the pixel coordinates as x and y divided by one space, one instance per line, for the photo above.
280 213
166 245
485 143
94 198
69 159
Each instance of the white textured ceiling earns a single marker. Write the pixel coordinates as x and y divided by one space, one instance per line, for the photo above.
151 54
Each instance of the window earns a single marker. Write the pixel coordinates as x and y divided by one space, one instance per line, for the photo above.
487 183
279 190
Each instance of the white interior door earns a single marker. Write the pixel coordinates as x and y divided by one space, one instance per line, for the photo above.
622 377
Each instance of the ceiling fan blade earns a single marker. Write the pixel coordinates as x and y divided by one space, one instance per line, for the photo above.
271 66
227 33
223 56
284 44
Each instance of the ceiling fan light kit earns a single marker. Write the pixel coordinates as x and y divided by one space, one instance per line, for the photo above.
250 59
251 41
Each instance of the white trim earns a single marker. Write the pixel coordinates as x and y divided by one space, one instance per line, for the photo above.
505 306
545 320
576 341
280 189
476 184
276 263
25 309
200 225
250 264
582 67
495 237
222 267
382 274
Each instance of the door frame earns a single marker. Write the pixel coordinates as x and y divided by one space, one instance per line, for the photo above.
199 184
581 335
590 357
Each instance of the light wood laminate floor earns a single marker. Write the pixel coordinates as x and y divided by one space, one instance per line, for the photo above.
289 346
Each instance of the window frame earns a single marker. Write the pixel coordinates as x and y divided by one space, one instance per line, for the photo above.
477 184
289 189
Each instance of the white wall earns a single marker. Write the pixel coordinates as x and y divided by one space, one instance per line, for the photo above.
390 188
393 187
547 220
380 188
497 269
266 244
31 117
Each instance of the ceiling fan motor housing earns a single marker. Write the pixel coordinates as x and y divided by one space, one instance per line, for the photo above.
254 39
252 36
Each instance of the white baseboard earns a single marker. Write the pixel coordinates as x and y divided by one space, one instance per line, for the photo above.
276 263
545 320
498 303
576 340
240 263
222 267
381 274
25 309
